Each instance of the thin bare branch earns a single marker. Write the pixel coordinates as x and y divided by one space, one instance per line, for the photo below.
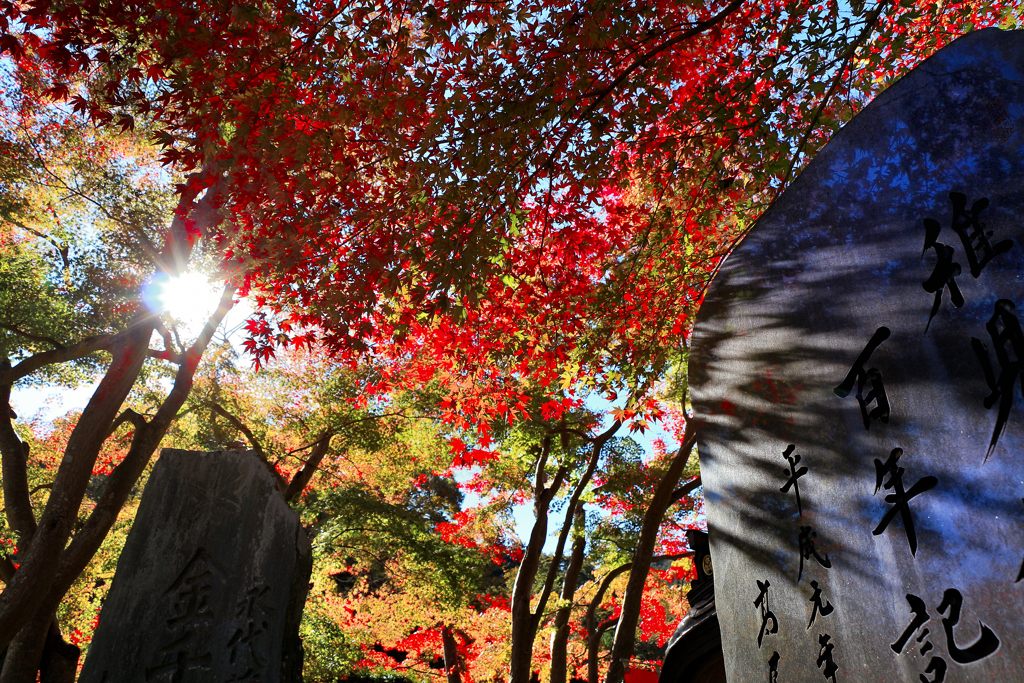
309 468
61 247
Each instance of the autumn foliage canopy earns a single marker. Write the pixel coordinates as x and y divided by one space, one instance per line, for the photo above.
507 210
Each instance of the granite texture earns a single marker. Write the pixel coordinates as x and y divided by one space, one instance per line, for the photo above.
903 533
212 580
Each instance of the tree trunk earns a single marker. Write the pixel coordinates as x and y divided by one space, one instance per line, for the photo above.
625 633
523 628
597 445
452 665
560 635
60 658
593 649
18 506
39 647
524 621
27 589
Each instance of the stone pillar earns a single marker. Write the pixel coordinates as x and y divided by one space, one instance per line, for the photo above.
212 580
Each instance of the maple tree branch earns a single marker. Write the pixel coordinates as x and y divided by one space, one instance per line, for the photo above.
847 58
62 249
163 354
570 512
644 59
598 598
166 336
128 415
697 27
15 473
239 425
32 337
605 625
251 438
686 488
556 483
302 477
89 345
538 475
37 489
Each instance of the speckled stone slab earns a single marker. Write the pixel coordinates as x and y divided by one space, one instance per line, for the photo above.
856 369
212 580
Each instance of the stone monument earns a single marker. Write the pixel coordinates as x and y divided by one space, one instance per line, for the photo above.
212 580
856 370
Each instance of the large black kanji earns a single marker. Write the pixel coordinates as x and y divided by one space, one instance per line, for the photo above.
900 497
1008 340
871 378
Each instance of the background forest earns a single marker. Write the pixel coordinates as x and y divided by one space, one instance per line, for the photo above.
434 263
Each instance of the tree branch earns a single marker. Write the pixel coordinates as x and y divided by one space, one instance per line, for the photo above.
302 477
62 248
680 492
161 354
166 336
33 337
570 512
89 345
538 475
15 473
645 58
239 425
128 415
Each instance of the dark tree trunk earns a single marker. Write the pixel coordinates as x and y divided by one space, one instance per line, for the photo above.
560 636
39 647
523 629
452 665
60 658
664 495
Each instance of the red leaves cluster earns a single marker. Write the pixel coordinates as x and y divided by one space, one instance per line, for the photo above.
460 531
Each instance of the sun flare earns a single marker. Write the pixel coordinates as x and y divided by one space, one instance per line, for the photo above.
189 298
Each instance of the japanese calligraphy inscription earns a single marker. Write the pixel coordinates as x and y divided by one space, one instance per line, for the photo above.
857 372
211 582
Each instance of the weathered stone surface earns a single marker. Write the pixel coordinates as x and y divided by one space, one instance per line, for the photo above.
212 581
847 265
